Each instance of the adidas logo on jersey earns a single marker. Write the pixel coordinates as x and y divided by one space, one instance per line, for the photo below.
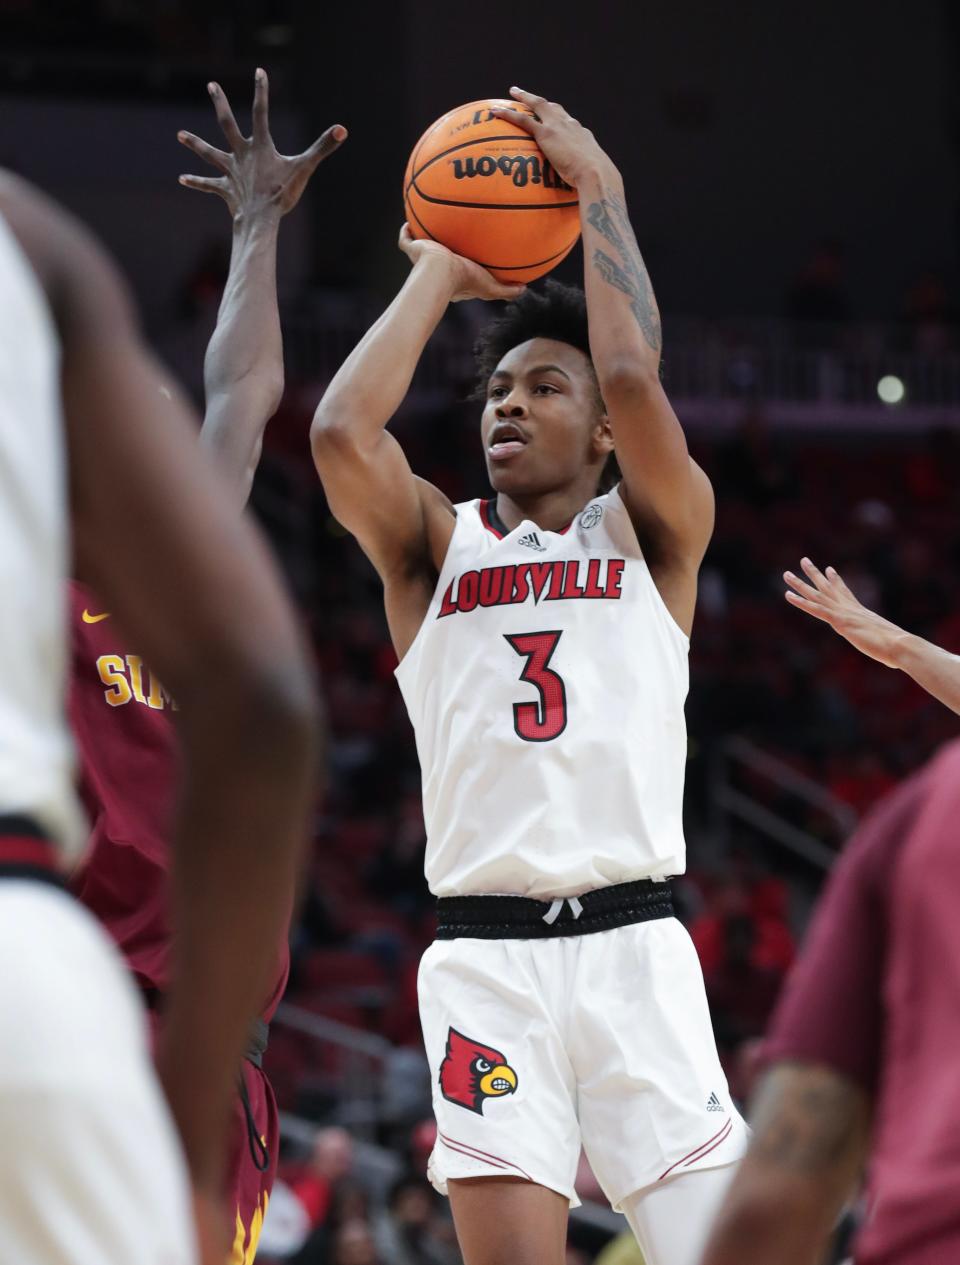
714 1103
532 541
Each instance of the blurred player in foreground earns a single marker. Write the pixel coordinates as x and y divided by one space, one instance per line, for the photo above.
825 596
863 1051
91 1172
543 642
119 711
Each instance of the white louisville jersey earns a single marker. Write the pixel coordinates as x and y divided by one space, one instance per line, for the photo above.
36 768
546 688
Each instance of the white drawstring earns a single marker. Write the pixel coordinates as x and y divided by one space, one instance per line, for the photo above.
553 913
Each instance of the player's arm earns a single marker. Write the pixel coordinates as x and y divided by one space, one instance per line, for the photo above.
243 370
191 582
828 598
399 520
668 495
811 1119
810 1136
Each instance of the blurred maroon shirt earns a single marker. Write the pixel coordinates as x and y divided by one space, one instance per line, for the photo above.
127 757
876 996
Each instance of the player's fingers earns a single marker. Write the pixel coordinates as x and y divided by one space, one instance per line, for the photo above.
505 290
835 578
261 106
801 587
529 122
813 572
811 608
205 184
228 124
531 99
407 241
325 145
209 153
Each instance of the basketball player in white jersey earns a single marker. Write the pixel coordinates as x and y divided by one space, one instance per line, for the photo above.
96 445
543 639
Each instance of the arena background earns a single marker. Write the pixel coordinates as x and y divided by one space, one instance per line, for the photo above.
792 171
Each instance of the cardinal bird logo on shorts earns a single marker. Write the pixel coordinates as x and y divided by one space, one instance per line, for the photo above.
471 1073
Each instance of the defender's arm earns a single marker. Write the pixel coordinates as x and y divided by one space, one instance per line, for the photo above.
243 369
398 519
827 597
811 1127
812 1115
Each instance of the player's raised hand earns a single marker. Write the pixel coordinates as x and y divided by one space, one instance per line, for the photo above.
571 148
467 279
255 177
827 597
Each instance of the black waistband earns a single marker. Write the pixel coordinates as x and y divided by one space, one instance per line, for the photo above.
520 918
26 851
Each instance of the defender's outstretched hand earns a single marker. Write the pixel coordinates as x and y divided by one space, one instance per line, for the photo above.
467 279
254 175
827 597
571 148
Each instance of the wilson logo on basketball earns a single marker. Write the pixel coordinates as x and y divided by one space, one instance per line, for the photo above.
471 1073
470 160
524 169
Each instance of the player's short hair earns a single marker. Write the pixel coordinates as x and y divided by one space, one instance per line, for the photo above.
555 311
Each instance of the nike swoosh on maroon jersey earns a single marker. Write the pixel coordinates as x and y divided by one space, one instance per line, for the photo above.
94 619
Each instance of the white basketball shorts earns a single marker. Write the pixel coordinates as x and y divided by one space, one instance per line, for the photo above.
604 1040
90 1167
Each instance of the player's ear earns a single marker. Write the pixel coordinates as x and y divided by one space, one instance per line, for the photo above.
603 436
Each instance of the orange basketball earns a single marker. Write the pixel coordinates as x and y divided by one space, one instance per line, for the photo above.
483 188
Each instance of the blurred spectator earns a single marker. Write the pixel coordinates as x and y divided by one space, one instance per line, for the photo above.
422 1141
860 780
745 949
353 1244
411 1230
316 1183
752 465
286 1225
331 1241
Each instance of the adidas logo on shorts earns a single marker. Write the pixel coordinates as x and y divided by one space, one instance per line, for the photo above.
714 1103
532 541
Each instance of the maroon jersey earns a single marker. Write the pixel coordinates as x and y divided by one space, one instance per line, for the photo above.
876 996
127 755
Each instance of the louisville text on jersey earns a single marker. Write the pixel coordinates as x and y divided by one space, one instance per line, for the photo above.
553 581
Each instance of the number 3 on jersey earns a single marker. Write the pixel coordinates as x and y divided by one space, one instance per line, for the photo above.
547 719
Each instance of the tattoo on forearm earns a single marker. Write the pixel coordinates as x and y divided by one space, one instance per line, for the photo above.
609 217
809 1120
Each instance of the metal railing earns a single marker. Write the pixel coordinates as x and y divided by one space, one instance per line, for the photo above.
736 760
805 375
358 1079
